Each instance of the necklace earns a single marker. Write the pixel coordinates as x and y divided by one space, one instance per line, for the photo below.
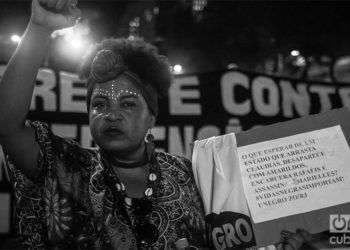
140 208
149 191
119 186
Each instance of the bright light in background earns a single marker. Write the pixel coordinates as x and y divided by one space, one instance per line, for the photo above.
232 66
75 40
300 62
15 38
77 43
131 37
295 52
198 5
177 69
74 45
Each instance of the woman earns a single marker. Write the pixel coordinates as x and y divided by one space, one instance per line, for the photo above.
123 195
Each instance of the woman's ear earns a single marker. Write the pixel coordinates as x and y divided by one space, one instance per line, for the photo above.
152 121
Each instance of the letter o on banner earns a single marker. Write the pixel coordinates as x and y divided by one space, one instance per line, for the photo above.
248 235
265 87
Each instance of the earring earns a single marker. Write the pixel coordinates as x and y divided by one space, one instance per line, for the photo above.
149 138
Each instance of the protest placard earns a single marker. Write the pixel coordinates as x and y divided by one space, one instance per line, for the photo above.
296 174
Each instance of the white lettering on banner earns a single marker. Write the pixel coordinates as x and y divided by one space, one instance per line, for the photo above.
233 126
69 91
344 94
228 83
177 95
71 131
208 131
44 90
299 99
263 96
86 138
176 144
323 93
265 87
159 134
65 130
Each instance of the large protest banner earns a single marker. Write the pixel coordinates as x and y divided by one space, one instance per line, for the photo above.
198 106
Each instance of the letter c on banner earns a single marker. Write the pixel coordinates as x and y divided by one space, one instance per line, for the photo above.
228 83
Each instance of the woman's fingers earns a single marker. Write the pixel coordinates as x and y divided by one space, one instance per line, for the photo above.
305 234
60 5
293 241
74 11
70 21
53 6
73 2
64 14
51 3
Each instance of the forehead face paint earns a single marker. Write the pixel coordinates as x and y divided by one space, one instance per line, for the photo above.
114 93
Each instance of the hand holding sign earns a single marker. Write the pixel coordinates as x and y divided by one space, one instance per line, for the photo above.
292 241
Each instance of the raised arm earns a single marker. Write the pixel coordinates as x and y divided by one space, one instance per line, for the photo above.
17 83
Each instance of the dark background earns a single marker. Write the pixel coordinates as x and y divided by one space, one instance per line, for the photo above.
206 35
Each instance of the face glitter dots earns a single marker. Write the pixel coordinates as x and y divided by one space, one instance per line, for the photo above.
114 93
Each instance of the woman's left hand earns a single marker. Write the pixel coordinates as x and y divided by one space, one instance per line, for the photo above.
293 241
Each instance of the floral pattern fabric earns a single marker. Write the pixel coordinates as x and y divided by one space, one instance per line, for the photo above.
68 205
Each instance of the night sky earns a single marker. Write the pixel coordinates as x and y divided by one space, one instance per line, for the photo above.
243 32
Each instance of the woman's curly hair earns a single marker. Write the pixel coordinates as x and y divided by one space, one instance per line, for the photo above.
137 55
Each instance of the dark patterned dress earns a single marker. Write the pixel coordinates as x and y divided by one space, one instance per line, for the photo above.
70 206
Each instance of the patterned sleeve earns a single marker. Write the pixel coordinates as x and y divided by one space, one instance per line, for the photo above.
43 205
194 217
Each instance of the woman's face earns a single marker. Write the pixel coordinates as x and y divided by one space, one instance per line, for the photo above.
119 116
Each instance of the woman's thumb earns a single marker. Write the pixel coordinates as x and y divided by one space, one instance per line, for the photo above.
37 5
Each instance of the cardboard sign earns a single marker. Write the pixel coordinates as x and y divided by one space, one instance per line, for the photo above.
312 155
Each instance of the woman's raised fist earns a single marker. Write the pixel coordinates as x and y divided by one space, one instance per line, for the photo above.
55 14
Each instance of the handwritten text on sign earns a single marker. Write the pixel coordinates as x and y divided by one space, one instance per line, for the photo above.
296 174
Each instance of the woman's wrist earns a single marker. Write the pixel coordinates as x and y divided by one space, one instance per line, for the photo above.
38 29
34 43
36 37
